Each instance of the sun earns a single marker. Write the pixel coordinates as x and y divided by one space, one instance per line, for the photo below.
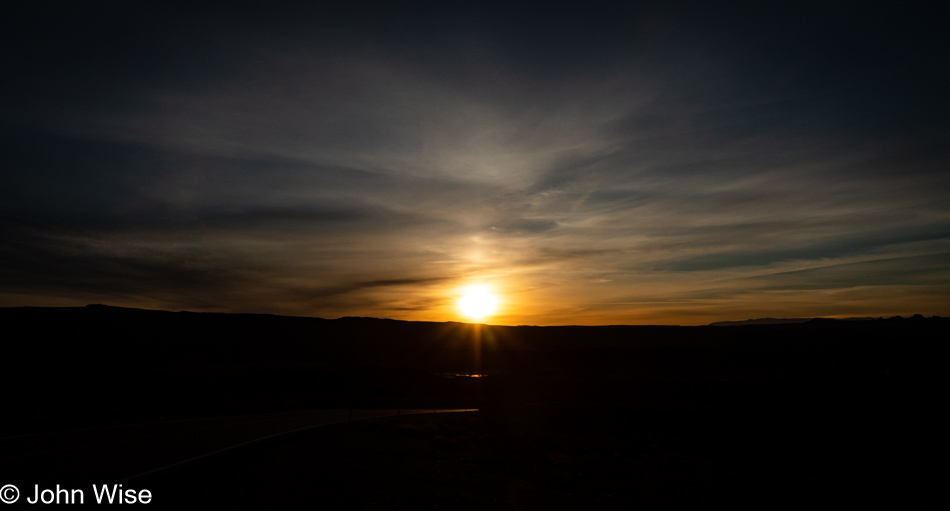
478 302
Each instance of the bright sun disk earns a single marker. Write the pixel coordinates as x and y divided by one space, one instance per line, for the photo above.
478 302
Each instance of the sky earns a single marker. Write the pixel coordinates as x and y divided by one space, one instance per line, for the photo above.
589 162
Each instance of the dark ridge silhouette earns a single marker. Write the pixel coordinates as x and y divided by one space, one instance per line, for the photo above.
766 414
762 321
779 321
100 361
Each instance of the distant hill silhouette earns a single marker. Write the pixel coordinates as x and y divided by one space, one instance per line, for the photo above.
104 360
762 321
777 321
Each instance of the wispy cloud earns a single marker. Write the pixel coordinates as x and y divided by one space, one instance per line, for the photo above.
623 165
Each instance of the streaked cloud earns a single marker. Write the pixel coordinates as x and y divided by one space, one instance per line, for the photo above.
616 164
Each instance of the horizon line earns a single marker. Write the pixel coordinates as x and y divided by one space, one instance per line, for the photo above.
745 322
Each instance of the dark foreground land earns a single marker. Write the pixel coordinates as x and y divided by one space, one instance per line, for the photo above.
817 415
575 460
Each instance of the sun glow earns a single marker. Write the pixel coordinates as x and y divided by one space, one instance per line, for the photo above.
478 302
